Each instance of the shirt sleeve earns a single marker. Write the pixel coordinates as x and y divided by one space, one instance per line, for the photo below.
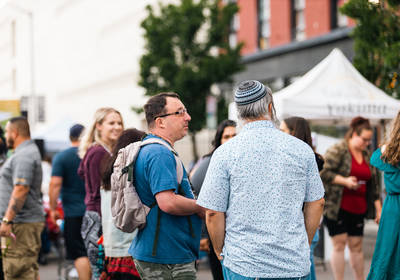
314 188
23 171
392 173
94 170
161 171
57 167
214 193
333 160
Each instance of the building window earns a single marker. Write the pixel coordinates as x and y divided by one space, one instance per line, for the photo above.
298 20
24 105
342 20
13 40
14 80
337 18
41 109
35 102
234 26
334 13
264 27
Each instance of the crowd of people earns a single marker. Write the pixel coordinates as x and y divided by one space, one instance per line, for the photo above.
253 204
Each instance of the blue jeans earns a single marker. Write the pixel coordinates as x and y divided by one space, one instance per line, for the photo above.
230 275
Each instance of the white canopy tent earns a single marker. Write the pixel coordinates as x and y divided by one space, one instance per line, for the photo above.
55 136
334 91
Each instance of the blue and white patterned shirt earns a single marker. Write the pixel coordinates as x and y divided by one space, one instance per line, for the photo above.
260 179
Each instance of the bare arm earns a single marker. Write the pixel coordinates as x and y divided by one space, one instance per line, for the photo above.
216 229
349 182
378 209
17 201
176 204
54 191
312 216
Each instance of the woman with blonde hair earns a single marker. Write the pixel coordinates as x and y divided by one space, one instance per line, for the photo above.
352 194
95 148
386 260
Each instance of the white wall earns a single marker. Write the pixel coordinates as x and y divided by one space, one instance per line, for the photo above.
89 57
86 55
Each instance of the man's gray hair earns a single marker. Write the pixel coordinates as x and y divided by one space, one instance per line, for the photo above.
258 108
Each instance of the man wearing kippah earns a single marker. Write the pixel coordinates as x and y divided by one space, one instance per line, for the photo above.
255 189
65 181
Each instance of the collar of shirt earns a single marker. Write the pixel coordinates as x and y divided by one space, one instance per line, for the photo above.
150 135
22 145
258 124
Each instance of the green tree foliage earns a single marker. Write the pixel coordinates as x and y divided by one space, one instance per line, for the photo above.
377 42
187 50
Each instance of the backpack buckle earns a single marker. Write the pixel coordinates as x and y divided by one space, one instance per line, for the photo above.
125 169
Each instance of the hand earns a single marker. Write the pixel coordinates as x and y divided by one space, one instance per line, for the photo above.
204 245
54 216
5 229
351 183
201 212
377 217
219 257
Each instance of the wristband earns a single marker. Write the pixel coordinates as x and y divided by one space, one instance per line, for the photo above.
6 221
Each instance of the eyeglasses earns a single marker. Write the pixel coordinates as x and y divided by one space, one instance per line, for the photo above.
180 113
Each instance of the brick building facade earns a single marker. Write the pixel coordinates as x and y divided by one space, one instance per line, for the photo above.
283 39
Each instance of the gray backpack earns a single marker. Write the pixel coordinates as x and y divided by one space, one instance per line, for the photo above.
127 210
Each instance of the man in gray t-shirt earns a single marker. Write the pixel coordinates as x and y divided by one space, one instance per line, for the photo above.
21 206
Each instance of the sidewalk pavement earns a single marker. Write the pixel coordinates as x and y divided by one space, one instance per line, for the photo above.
324 272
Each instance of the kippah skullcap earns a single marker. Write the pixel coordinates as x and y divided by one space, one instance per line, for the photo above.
249 91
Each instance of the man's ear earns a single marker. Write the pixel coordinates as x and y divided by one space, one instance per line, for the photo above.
270 110
14 131
159 122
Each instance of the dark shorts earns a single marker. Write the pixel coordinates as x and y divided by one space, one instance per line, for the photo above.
352 224
73 238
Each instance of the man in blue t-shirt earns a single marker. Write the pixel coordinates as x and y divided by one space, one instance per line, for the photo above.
173 254
65 180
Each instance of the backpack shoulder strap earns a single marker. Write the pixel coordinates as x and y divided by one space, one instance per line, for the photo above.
179 167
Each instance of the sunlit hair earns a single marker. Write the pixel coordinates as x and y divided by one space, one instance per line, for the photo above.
357 125
258 109
299 128
92 135
391 154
